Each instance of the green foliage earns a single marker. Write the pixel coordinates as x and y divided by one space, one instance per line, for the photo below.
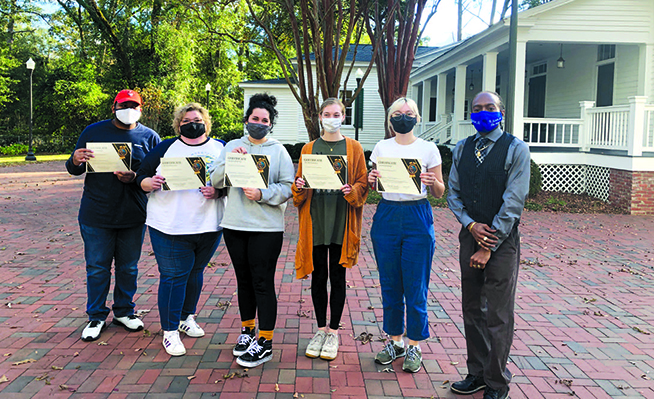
535 179
446 157
294 150
14 149
533 206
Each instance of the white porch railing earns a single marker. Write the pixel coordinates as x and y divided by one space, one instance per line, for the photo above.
560 132
609 127
648 136
438 132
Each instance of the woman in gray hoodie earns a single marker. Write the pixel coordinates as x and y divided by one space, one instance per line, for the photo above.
253 227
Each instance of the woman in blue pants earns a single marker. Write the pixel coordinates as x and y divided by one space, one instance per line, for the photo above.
403 236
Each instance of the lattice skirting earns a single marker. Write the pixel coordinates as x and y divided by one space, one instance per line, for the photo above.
576 179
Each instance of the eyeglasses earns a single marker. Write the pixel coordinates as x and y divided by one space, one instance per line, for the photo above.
398 114
196 120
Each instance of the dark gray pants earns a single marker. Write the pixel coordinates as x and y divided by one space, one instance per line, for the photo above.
488 300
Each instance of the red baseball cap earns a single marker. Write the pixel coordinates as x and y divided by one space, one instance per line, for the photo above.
128 95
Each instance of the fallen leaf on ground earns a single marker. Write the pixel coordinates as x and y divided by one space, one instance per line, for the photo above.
57 368
23 362
102 343
277 387
190 377
4 379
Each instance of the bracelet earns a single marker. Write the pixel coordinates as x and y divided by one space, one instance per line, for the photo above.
471 226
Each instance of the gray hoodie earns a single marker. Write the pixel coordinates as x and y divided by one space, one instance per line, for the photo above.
267 214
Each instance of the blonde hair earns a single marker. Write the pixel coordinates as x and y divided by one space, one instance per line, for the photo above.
332 101
181 112
399 103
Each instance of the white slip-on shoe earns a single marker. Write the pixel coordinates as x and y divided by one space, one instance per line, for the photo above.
131 323
173 344
190 327
92 330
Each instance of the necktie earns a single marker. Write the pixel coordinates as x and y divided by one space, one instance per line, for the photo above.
481 149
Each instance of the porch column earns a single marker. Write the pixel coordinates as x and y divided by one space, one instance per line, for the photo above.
519 94
459 99
441 95
645 69
636 125
490 71
584 132
426 96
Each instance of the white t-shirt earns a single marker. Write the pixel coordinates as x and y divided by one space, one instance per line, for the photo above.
186 211
426 151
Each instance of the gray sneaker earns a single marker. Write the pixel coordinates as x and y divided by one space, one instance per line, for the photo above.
330 347
390 352
315 345
413 360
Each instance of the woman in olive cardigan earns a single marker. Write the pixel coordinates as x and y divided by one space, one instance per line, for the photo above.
330 224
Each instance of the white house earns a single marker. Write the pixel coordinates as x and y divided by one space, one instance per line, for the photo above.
290 127
584 94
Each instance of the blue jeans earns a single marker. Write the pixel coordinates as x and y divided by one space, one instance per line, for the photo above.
402 236
181 260
101 247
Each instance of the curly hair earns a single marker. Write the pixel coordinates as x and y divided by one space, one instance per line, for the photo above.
181 112
264 101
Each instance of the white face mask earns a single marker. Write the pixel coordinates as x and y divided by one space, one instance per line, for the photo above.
331 125
128 116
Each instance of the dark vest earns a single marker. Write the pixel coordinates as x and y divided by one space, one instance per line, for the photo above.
482 187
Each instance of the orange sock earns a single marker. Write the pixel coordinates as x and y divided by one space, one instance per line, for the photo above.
266 334
248 323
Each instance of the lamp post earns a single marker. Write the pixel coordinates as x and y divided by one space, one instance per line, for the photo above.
358 106
30 154
208 89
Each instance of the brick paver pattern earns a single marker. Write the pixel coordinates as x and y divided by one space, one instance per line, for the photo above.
584 314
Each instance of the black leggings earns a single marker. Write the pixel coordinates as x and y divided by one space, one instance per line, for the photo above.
319 285
254 256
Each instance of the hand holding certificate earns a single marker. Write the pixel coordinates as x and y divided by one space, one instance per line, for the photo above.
183 173
109 157
246 170
327 172
399 175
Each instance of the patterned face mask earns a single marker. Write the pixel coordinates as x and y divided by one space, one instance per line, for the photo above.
485 121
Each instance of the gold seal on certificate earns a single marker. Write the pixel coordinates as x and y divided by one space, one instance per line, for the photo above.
328 172
246 170
399 175
109 157
181 173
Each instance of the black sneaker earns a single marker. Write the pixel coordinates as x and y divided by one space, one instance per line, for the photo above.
468 386
246 339
490 393
259 352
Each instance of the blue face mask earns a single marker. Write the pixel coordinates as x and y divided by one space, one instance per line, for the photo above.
485 121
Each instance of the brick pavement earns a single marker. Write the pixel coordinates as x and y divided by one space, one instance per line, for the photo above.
584 325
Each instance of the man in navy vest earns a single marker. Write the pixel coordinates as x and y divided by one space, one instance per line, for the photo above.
488 184
112 215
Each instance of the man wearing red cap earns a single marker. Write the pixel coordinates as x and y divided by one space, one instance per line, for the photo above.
112 215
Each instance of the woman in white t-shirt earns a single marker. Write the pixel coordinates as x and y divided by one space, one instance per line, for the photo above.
402 236
184 225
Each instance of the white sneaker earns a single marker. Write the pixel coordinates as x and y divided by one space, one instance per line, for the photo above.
131 323
190 327
92 330
173 344
315 345
330 347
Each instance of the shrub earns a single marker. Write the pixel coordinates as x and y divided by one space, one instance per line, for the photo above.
535 179
14 149
294 150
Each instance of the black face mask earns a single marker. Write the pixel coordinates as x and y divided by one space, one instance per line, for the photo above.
192 130
403 124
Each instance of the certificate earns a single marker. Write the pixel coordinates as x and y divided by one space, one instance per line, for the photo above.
246 170
109 157
324 171
399 175
183 173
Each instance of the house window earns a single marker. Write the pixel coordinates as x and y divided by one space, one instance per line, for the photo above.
346 95
498 84
539 69
605 52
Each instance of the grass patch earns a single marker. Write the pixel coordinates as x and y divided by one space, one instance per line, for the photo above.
39 158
